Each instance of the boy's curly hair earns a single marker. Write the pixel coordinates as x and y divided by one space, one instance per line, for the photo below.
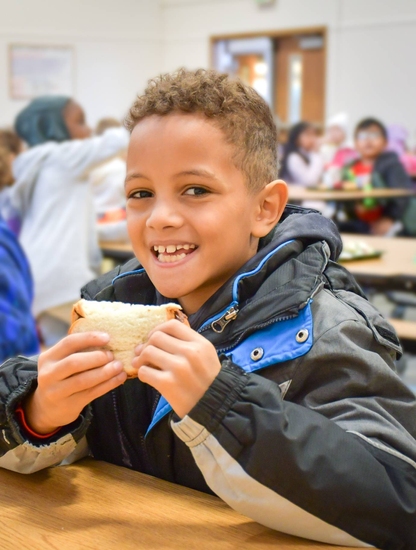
235 108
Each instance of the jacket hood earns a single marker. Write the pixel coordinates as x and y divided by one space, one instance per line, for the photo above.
306 225
26 169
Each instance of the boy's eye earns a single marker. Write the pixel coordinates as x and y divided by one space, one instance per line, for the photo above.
196 191
142 194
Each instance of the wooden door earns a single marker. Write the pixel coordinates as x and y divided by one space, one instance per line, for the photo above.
312 80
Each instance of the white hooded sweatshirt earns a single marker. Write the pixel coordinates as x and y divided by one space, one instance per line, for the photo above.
53 196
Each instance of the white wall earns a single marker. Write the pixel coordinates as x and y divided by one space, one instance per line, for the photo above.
119 44
117 48
371 65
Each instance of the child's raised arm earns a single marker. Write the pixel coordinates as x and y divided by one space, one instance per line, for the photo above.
81 155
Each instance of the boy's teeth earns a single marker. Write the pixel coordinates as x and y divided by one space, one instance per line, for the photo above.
172 258
172 248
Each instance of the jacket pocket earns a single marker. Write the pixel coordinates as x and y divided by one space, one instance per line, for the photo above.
382 330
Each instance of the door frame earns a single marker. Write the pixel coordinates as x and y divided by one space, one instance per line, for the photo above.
281 33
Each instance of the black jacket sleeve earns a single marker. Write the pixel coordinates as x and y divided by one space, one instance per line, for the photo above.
18 450
345 460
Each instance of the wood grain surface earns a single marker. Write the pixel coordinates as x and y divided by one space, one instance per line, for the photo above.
93 505
398 257
298 193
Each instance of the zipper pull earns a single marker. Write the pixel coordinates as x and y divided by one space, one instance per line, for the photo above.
220 324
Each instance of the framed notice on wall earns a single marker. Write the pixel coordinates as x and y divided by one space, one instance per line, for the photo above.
36 70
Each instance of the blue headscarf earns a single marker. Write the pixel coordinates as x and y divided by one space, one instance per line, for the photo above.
42 120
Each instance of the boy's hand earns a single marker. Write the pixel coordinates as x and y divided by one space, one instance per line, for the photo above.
69 377
179 363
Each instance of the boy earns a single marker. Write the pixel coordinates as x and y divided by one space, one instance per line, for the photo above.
282 398
376 167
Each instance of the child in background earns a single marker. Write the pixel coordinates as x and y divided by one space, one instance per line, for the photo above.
334 149
281 396
11 145
376 167
17 326
108 188
397 142
53 197
301 163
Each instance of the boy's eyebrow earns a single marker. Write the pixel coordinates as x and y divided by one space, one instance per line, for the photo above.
193 172
197 172
133 176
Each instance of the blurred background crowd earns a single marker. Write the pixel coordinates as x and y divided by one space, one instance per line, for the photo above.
338 75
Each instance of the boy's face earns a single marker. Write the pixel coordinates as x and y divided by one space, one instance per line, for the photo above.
370 142
189 212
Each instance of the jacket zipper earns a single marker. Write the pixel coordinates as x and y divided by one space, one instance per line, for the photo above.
254 329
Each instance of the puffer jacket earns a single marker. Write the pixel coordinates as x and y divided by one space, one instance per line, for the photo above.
306 429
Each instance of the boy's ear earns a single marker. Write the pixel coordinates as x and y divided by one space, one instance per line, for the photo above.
270 202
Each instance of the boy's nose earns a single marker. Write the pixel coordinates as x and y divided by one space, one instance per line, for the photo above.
163 215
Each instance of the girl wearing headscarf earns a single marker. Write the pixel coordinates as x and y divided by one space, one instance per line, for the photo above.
301 162
53 198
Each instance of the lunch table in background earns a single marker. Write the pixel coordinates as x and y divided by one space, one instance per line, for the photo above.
299 194
118 251
394 269
95 505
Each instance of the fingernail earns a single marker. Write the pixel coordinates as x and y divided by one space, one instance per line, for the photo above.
110 355
103 336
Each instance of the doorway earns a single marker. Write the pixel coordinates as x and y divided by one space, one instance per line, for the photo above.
286 67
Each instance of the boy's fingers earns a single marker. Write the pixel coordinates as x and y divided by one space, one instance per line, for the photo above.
76 363
163 341
155 357
153 377
100 389
75 343
91 378
176 329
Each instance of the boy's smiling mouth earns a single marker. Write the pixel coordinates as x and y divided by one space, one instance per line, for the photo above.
170 253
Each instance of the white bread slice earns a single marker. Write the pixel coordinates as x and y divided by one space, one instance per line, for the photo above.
127 324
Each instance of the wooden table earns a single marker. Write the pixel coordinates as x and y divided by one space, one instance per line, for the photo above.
93 505
117 250
394 270
297 193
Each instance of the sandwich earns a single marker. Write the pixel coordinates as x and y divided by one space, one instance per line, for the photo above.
127 324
